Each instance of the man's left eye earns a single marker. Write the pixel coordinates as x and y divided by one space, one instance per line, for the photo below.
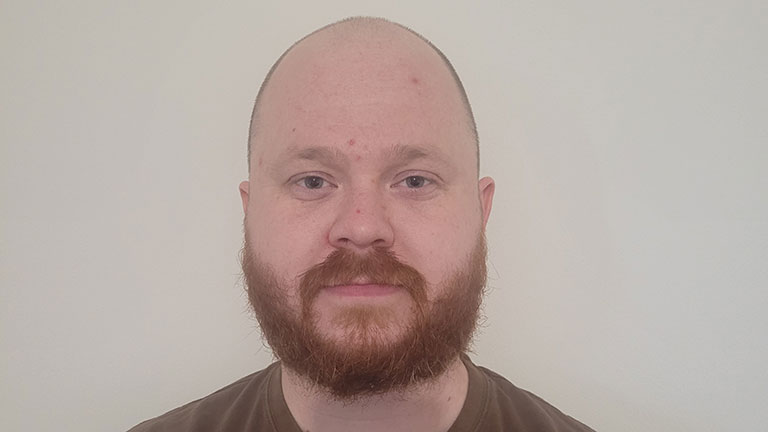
416 182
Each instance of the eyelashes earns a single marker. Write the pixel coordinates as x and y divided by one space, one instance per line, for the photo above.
313 186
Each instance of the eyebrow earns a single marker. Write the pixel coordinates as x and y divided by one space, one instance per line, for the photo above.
399 153
323 154
409 152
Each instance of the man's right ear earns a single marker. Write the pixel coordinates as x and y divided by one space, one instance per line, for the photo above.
244 185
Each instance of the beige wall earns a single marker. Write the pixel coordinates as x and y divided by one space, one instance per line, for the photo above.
628 240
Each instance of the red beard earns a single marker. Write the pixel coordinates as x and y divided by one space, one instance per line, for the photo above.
364 365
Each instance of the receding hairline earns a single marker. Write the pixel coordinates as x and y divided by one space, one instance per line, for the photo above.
363 21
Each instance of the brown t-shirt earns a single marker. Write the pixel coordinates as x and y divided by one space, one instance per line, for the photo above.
256 404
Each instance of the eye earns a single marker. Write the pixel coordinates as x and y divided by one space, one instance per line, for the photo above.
313 182
309 187
416 186
416 182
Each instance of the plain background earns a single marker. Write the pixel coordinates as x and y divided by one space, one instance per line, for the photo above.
628 240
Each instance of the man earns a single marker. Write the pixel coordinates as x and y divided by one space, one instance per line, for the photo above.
364 252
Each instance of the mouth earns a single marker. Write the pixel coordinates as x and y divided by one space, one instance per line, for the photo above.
362 289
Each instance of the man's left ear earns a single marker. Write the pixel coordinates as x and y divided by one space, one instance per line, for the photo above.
486 187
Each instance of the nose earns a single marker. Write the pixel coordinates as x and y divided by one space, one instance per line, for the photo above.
362 222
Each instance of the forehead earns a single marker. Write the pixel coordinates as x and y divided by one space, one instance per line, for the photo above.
377 92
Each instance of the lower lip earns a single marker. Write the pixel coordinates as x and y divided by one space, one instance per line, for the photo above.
368 290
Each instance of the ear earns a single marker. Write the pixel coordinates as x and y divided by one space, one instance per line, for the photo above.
486 187
244 185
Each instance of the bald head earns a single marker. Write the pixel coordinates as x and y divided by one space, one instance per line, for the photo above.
362 141
352 63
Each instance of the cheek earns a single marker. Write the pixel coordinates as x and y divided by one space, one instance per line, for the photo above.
288 238
441 241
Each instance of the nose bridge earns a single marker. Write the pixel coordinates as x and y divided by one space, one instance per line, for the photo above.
362 220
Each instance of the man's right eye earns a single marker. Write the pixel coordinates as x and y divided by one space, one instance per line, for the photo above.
311 186
313 182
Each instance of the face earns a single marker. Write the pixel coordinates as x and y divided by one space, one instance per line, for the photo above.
363 171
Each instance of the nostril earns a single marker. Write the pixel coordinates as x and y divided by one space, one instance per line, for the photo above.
380 243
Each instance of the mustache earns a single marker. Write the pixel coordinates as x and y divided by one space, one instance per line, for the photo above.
378 266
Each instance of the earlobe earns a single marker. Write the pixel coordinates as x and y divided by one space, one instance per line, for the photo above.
244 185
486 187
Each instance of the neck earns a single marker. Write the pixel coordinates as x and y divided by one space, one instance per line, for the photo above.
432 406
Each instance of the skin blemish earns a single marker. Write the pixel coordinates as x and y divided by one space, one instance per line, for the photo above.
415 80
261 161
351 141
357 211
293 130
357 158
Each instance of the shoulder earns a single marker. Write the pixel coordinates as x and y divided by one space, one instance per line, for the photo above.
231 404
512 408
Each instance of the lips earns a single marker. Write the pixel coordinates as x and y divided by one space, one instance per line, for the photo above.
362 290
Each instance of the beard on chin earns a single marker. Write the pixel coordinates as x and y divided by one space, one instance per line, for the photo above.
365 363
